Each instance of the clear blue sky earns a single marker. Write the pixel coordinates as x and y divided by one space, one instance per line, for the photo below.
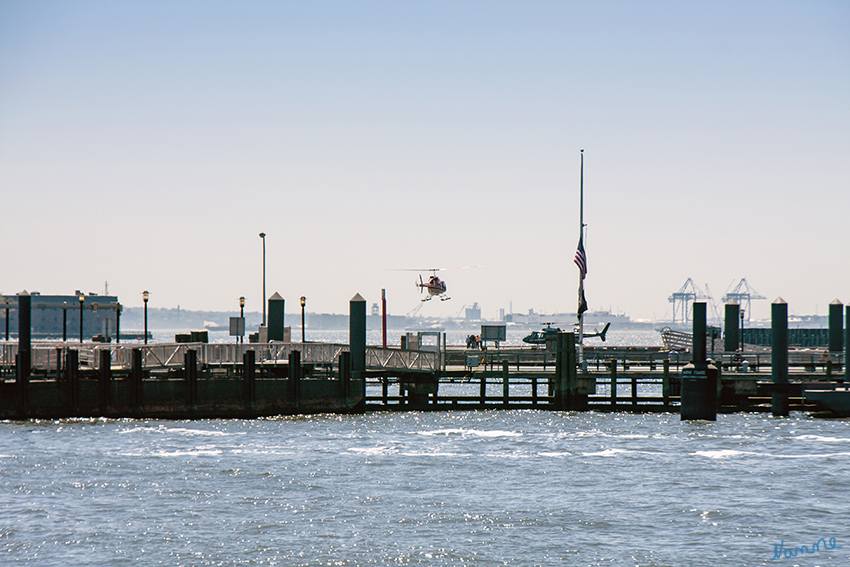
148 143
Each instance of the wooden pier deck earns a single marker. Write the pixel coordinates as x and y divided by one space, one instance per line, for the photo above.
216 380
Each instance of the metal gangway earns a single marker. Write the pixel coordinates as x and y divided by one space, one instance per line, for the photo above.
676 340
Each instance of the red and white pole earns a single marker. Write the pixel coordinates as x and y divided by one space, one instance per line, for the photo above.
384 315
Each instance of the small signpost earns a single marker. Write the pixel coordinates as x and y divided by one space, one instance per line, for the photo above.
495 333
237 327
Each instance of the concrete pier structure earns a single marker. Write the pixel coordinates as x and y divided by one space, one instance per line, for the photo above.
779 357
699 379
836 326
731 341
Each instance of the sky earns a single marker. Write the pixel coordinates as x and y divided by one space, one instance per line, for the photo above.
147 144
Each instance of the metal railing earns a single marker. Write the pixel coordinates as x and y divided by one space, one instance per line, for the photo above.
380 358
172 355
45 356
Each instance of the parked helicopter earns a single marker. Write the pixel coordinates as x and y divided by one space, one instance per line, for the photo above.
549 334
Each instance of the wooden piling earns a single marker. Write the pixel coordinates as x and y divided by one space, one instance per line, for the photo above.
482 389
779 357
613 383
22 378
136 380
847 344
295 378
357 335
58 363
534 390
836 325
730 331
560 366
191 369
566 379
276 324
699 379
634 391
25 332
105 380
249 378
505 384
72 376
345 376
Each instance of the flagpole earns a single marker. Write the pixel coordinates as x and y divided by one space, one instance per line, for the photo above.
580 347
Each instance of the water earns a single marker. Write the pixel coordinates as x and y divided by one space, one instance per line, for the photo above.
445 488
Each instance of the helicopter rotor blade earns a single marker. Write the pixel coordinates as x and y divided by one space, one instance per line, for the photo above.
456 268
431 269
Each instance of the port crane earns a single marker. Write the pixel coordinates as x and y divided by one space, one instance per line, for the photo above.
742 294
682 299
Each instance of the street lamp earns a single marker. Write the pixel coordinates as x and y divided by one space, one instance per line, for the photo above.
263 236
82 299
242 316
145 296
303 303
118 309
6 303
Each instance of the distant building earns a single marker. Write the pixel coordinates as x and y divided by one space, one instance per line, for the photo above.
524 319
473 313
100 315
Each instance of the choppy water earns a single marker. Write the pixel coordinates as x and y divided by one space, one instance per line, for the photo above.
455 488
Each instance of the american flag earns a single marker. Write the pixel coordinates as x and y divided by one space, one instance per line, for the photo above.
581 258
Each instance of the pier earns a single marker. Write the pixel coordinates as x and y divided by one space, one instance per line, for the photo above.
197 380
179 380
633 379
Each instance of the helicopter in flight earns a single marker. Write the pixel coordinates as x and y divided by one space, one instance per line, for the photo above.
434 285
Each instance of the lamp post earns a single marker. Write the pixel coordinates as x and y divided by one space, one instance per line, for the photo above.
242 316
94 315
263 236
118 309
6 303
82 299
303 303
742 331
64 321
145 296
